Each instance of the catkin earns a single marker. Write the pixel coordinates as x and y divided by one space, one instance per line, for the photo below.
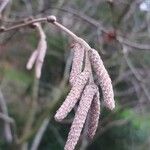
80 116
103 78
32 60
77 63
38 55
73 96
93 114
42 47
40 58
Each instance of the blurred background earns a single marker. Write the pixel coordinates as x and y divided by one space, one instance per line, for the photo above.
119 30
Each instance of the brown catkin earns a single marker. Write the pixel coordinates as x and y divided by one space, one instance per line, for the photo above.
103 78
77 63
93 114
73 96
80 116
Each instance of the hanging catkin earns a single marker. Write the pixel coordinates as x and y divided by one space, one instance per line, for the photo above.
39 53
77 63
80 116
93 114
103 78
73 96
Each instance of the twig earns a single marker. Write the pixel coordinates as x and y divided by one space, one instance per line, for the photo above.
32 113
6 118
7 128
57 135
3 4
92 21
135 73
99 25
26 23
39 134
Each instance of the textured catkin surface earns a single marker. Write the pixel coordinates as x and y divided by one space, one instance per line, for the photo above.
77 63
73 96
103 78
94 114
80 116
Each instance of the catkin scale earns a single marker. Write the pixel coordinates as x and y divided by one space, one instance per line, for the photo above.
80 116
103 78
73 96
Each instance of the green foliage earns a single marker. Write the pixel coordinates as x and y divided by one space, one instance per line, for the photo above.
125 137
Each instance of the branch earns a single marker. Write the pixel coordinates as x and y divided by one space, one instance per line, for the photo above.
3 4
39 134
7 128
6 118
135 73
52 19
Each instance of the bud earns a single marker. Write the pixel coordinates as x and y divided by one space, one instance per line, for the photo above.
51 19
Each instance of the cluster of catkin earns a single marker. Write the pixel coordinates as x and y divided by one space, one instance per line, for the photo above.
38 55
86 62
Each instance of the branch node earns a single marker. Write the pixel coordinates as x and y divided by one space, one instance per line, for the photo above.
51 19
2 29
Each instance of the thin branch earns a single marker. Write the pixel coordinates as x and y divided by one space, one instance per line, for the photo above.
6 118
7 128
135 73
99 25
3 4
26 23
76 38
32 113
39 134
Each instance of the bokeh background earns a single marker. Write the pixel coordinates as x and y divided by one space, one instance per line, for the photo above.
119 30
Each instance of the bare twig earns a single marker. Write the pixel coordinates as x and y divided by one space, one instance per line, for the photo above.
119 38
6 118
39 134
3 4
32 113
135 73
7 128
57 134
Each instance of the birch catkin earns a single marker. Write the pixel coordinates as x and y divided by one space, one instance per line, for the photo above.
73 96
80 116
103 78
77 64
94 114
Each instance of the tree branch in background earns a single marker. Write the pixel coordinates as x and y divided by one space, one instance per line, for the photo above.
39 134
3 4
7 127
